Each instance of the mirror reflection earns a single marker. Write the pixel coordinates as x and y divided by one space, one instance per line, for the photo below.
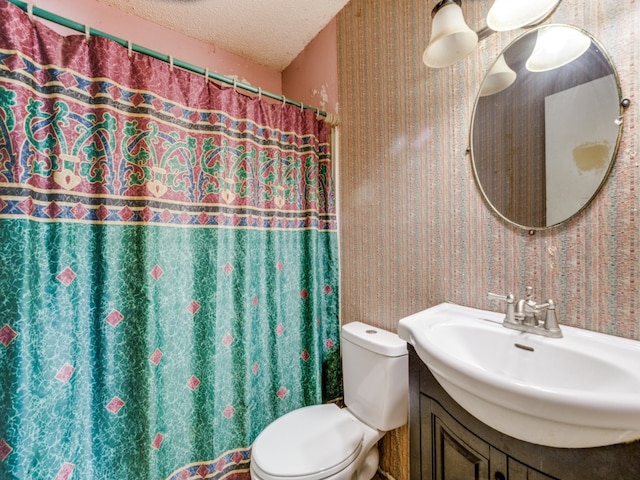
546 126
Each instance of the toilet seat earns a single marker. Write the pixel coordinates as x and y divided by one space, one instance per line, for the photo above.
310 443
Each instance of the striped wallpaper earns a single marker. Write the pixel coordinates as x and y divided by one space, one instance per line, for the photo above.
414 229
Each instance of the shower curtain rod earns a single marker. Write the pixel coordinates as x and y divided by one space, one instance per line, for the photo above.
65 22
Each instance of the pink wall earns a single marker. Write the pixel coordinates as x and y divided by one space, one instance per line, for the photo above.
312 78
144 33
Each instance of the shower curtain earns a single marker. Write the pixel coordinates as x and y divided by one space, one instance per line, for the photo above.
168 263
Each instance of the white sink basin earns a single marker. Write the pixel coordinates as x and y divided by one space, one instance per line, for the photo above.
582 390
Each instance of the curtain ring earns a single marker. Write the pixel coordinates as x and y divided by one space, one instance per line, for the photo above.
87 33
171 63
259 93
30 11
206 75
129 48
235 84
301 107
284 101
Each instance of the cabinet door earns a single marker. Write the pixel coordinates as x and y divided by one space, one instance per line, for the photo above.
457 458
451 452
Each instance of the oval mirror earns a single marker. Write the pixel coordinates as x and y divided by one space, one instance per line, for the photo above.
546 126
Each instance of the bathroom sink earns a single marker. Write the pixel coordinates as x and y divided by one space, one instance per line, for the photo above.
582 390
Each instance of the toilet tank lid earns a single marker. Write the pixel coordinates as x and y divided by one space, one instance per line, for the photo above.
375 339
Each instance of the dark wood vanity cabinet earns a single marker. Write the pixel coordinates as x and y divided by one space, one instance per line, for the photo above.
458 454
447 443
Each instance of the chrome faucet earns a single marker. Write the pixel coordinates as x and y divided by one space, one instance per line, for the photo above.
526 315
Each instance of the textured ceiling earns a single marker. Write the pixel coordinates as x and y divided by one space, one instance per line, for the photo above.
270 32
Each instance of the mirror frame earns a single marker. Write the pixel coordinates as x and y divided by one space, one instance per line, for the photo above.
621 105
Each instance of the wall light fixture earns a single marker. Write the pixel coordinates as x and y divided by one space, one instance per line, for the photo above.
452 39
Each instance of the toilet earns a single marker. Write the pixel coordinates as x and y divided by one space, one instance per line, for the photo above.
326 442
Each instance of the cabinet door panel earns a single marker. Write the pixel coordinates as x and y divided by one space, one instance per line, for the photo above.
457 453
455 460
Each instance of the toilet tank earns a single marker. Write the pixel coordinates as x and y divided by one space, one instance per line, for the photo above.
375 369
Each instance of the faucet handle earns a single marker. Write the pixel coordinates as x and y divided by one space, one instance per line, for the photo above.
551 320
510 316
509 297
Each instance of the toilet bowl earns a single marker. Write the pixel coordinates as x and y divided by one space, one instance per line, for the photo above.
320 442
326 442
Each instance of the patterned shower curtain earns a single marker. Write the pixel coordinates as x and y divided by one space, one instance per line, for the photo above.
168 264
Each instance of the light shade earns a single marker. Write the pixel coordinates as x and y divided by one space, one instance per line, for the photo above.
507 15
498 78
451 38
557 46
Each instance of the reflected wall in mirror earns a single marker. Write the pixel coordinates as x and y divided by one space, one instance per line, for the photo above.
546 126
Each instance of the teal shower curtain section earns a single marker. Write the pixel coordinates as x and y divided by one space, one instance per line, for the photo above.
168 264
